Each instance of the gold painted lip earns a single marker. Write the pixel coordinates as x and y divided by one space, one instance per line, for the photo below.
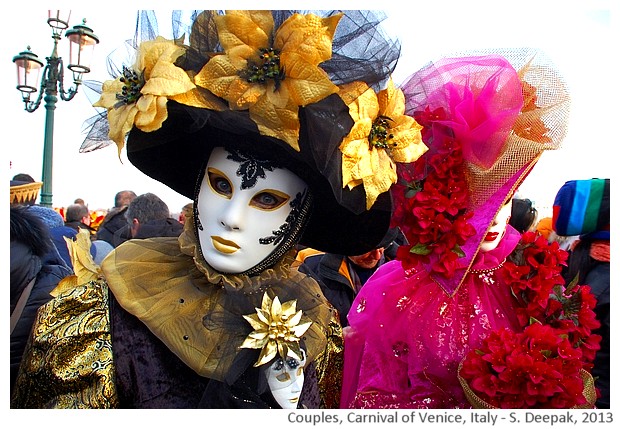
294 400
224 246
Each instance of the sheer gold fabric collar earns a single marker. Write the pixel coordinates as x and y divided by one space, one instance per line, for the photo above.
167 284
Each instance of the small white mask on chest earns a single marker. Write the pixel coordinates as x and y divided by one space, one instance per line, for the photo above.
286 380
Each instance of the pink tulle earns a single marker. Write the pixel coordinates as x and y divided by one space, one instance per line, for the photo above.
407 336
482 96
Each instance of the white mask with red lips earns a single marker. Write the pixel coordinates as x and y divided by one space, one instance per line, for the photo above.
498 228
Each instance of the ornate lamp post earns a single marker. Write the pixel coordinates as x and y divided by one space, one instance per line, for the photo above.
82 42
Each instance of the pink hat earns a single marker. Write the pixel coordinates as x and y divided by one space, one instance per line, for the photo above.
487 119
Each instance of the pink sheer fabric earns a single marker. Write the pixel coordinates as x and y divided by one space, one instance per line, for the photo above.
482 95
407 336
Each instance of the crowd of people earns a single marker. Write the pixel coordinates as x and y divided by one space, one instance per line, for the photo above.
350 242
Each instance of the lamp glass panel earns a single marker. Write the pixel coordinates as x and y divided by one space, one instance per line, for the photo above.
81 51
28 73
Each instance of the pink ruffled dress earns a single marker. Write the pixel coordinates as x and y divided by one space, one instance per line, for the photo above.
408 335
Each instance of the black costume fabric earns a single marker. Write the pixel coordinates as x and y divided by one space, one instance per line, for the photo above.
599 280
523 214
149 375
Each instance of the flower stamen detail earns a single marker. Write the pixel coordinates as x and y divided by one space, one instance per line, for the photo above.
277 330
380 136
269 69
132 85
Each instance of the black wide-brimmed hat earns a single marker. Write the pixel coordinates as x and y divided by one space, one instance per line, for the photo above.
176 155
303 87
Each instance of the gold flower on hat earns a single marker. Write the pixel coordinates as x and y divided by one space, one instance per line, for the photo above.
271 74
277 330
382 135
139 96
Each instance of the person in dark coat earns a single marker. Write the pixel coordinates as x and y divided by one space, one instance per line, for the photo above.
595 254
58 231
34 258
112 228
77 216
148 216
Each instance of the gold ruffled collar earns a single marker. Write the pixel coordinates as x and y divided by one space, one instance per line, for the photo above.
197 312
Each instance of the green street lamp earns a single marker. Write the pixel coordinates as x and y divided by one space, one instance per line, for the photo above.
82 42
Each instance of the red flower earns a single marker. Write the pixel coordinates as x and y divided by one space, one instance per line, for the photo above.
431 200
541 365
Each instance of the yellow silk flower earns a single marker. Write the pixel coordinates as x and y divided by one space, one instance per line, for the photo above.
277 329
299 45
162 80
369 162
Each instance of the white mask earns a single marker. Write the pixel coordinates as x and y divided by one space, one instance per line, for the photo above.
286 379
498 228
242 214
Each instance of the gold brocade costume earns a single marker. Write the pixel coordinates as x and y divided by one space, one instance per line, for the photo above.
68 361
195 311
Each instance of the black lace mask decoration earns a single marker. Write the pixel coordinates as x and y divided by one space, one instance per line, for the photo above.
288 225
250 168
